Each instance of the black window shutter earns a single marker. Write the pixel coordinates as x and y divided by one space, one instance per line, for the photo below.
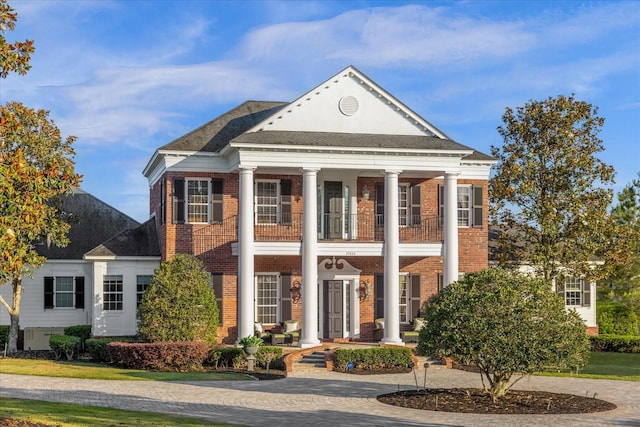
415 205
586 292
415 295
285 297
379 295
441 203
217 287
178 200
79 282
379 204
285 202
477 206
48 292
216 200
162 214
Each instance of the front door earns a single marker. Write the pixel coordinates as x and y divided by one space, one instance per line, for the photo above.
333 308
333 210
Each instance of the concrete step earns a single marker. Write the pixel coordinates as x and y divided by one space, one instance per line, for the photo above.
310 362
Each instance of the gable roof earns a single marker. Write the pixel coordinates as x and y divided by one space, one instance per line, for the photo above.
265 123
141 241
92 222
217 133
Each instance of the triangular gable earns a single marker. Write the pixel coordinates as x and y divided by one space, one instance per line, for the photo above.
349 102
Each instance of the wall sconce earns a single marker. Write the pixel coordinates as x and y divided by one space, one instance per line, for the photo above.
364 290
365 193
296 292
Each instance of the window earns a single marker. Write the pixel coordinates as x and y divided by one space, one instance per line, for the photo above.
409 212
142 283
197 201
112 292
64 292
409 287
266 202
470 209
404 296
267 298
575 291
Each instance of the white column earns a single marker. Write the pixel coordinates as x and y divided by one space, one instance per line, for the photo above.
450 228
246 287
391 260
309 336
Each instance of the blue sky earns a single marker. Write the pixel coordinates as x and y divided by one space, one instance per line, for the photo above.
128 76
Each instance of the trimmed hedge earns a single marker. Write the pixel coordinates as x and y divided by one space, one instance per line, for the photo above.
183 356
81 331
64 345
268 355
615 343
226 357
614 318
372 358
97 348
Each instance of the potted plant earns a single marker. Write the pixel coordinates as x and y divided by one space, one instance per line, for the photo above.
250 344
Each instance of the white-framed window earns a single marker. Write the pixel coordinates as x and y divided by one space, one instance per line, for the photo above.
405 296
267 285
64 292
267 195
469 205
573 290
112 292
404 204
409 288
142 283
197 201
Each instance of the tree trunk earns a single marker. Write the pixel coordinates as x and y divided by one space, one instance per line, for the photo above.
499 387
14 314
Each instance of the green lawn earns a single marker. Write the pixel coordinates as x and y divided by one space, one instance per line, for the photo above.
53 368
68 415
607 365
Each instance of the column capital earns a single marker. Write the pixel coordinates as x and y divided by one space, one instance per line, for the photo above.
392 171
451 173
246 168
306 171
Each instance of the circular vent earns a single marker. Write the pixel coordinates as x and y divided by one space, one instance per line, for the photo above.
348 105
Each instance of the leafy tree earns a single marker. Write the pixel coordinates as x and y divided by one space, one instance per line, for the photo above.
549 192
624 255
36 166
179 304
506 324
14 57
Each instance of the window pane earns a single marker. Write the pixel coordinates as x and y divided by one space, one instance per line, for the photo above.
403 298
112 292
403 204
573 291
267 299
64 292
464 206
142 283
198 201
266 202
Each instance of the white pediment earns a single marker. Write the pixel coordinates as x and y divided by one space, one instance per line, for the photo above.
349 102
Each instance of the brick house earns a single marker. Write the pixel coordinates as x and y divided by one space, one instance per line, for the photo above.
335 209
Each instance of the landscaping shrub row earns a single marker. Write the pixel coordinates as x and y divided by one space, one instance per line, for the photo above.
615 343
4 336
372 358
159 356
65 345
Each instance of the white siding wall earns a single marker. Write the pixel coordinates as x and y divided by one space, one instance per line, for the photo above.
32 311
117 323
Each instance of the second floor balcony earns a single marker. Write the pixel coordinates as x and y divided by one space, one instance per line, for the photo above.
331 227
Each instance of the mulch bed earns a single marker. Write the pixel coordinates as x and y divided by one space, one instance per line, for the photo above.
10 422
477 401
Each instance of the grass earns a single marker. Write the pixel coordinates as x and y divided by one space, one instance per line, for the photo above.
52 368
70 415
607 365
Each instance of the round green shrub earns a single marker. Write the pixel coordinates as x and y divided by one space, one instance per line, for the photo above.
616 319
179 304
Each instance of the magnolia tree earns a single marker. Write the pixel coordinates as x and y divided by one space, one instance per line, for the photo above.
179 304
550 193
506 324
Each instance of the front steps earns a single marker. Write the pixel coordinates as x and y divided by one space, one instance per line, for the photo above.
313 362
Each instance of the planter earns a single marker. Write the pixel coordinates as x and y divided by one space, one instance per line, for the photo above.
251 350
